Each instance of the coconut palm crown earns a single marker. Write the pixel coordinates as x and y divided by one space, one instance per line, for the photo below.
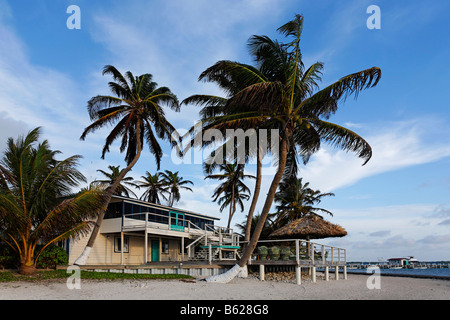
136 110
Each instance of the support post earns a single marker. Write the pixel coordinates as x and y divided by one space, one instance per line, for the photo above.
327 273
313 274
261 272
323 255
345 272
337 272
298 274
209 253
146 239
121 247
182 248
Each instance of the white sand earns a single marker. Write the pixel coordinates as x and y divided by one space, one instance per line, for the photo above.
241 289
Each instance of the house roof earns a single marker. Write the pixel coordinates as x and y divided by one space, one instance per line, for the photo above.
159 206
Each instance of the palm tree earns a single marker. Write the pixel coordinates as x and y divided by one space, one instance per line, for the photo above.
266 231
232 77
121 189
137 112
37 204
232 190
155 186
174 183
287 97
295 200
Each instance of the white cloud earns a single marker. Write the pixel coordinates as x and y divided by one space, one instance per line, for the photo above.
391 231
181 42
395 145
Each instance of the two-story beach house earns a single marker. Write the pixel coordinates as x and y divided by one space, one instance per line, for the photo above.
136 232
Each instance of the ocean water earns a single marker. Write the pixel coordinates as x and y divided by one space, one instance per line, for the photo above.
429 272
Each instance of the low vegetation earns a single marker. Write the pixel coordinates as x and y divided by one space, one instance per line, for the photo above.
8 276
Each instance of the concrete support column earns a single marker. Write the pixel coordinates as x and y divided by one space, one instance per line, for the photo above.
261 272
298 274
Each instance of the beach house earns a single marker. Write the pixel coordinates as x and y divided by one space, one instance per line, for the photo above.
136 232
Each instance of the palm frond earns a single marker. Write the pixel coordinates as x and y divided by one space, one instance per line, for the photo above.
343 138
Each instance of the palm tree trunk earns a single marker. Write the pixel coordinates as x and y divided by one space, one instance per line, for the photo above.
82 259
240 266
172 198
255 195
232 207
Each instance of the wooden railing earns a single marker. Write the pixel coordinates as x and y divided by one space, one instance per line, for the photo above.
210 234
305 252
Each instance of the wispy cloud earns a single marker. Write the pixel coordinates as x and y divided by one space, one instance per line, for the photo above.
181 41
395 145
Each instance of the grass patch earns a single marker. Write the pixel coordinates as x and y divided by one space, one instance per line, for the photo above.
7 276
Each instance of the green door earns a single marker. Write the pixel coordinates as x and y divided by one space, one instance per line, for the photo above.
155 250
176 221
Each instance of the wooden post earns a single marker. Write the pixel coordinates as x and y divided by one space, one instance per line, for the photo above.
209 253
327 273
121 248
345 272
298 270
337 272
323 255
182 248
313 274
261 272
146 239
160 249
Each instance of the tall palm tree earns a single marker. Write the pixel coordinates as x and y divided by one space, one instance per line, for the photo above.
111 177
295 200
155 187
174 183
137 114
232 190
232 77
37 204
287 96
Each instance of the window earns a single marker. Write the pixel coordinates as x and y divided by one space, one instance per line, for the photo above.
165 246
117 245
114 210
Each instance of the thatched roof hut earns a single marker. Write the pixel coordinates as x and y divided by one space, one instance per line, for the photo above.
310 226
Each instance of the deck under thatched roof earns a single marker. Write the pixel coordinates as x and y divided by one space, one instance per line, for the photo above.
310 226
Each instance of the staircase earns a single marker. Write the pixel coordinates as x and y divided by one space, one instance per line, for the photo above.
210 245
203 255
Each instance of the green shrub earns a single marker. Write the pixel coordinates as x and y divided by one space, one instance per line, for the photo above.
51 257
9 259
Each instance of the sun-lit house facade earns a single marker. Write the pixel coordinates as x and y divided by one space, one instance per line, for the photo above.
136 232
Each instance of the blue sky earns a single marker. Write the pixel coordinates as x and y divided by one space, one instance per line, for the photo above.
396 205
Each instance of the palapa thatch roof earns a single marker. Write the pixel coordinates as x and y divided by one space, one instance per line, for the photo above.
310 226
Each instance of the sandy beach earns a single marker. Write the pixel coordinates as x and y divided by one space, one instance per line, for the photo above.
354 288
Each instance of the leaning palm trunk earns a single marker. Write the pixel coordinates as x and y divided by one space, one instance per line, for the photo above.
83 258
255 195
240 267
232 207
